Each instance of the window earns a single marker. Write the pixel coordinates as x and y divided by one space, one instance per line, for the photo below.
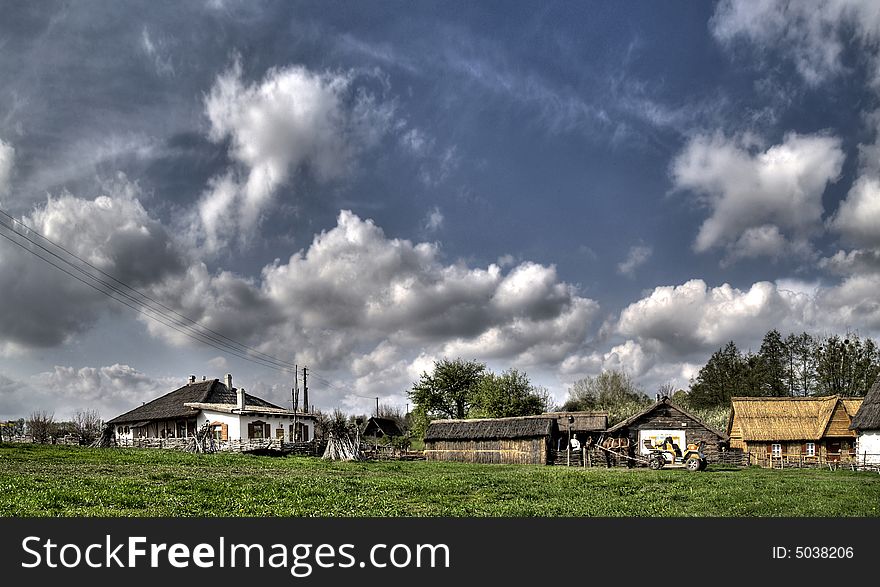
776 449
279 433
811 449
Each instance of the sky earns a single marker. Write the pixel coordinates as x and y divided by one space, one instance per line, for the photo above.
364 188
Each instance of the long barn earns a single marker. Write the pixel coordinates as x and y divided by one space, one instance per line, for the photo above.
522 440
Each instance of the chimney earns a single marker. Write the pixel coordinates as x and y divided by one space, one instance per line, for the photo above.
240 393
229 381
192 378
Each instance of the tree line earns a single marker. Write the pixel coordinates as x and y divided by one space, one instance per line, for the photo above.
797 365
85 427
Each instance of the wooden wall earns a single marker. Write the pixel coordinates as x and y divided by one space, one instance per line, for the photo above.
667 417
522 451
839 424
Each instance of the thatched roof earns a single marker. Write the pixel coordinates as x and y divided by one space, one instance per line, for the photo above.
174 404
583 421
785 418
663 402
490 428
868 416
382 427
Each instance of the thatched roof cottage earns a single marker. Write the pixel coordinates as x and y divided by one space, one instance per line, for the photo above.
232 414
866 423
793 428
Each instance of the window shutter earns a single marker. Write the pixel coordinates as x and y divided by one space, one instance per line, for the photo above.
224 431
268 429
804 448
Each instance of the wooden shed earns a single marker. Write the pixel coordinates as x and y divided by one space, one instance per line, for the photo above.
382 427
795 430
664 419
521 440
866 423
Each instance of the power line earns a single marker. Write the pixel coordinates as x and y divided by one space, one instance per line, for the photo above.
141 307
242 346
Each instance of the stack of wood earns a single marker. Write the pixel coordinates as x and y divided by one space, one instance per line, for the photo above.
105 439
202 442
341 447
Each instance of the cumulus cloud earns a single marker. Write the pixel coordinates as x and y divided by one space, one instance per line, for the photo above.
292 120
678 321
111 389
113 232
638 255
858 217
812 34
354 288
759 200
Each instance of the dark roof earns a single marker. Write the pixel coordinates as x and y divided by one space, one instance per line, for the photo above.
171 405
382 427
583 421
490 428
868 416
663 402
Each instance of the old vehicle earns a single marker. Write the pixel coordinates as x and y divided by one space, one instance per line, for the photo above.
669 454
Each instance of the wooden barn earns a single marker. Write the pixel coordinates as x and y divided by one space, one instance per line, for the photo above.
866 423
664 419
522 440
782 431
382 428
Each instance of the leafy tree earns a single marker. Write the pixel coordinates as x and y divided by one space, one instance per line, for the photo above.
723 376
509 394
450 391
800 368
86 425
846 366
769 368
611 391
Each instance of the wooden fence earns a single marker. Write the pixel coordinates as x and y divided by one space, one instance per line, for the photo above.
840 460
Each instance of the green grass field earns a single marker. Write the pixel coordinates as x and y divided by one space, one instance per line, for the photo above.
72 481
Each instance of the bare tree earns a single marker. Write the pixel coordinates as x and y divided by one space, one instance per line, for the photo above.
41 426
87 426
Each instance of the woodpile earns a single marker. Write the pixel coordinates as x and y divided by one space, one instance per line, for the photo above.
341 447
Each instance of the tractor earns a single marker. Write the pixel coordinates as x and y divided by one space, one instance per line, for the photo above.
669 454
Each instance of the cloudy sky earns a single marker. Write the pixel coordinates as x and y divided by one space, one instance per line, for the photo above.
366 187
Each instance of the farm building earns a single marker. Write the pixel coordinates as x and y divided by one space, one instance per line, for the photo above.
866 423
793 430
519 440
233 415
661 420
382 428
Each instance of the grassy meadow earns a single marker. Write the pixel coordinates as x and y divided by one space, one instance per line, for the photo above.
74 481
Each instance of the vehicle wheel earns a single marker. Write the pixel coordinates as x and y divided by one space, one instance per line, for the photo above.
694 464
656 463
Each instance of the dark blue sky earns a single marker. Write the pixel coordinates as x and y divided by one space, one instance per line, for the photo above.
561 188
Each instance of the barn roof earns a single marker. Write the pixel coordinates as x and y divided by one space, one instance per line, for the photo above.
583 421
385 426
490 428
868 415
663 402
786 418
174 404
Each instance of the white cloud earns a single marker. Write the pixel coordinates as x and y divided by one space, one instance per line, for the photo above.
354 288
434 220
638 255
858 217
113 232
7 161
813 34
111 390
759 199
677 321
293 120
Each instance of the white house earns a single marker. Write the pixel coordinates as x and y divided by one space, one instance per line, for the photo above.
232 414
867 423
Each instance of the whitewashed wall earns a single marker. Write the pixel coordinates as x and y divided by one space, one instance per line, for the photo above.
238 425
869 442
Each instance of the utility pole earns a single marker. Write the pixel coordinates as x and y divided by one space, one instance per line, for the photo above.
295 435
305 389
377 407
